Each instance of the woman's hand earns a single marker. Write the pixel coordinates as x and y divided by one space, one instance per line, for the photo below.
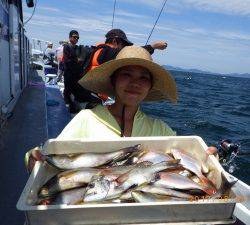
35 155
211 150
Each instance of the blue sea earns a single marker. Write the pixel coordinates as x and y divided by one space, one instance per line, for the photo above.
213 107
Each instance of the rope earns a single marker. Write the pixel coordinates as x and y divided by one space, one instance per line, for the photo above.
156 21
34 9
113 14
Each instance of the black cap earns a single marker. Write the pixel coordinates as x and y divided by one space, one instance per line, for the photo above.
71 33
118 33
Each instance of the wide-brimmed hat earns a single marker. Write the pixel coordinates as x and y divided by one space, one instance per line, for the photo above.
118 33
98 79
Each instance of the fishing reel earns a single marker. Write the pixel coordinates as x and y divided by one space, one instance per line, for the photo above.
228 151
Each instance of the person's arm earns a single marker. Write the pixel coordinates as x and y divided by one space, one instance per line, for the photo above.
66 53
74 130
75 127
211 150
160 45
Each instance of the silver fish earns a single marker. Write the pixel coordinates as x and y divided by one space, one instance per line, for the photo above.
154 189
119 170
67 180
192 164
143 174
67 162
146 197
154 157
70 197
176 181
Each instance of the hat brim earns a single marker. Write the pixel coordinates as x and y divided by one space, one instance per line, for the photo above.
128 43
98 79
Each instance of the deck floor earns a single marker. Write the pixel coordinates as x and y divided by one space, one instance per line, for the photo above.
26 129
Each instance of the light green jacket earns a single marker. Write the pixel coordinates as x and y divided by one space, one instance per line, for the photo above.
100 123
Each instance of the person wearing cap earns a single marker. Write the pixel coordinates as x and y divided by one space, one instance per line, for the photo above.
116 39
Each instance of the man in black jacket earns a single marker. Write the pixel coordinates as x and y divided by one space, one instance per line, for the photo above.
70 67
72 73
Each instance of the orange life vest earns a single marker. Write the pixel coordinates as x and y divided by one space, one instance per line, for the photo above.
94 63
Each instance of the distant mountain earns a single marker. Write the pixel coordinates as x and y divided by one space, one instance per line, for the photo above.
246 75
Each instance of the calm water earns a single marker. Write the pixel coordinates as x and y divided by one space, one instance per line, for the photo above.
212 107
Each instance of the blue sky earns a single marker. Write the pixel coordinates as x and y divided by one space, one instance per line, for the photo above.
211 35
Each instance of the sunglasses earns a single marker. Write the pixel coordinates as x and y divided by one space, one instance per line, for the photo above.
76 37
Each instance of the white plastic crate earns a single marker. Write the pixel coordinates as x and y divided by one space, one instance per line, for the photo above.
202 211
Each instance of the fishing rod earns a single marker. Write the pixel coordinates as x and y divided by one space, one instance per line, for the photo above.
113 14
156 21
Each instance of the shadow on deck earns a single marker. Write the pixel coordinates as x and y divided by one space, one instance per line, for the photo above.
32 123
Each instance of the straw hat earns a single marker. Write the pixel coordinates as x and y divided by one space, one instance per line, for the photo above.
98 79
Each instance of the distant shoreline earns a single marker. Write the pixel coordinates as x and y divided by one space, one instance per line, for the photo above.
201 72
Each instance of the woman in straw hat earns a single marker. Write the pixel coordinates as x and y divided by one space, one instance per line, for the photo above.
130 78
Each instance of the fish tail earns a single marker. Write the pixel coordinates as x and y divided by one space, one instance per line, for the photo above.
126 152
132 149
50 161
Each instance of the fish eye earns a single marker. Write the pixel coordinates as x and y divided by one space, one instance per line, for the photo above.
91 185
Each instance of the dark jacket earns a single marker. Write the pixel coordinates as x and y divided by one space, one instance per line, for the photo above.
110 53
70 62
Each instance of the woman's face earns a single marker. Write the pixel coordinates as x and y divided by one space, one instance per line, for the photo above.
132 84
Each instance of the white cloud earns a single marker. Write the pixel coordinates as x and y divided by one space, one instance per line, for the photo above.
49 9
231 7
128 14
150 3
